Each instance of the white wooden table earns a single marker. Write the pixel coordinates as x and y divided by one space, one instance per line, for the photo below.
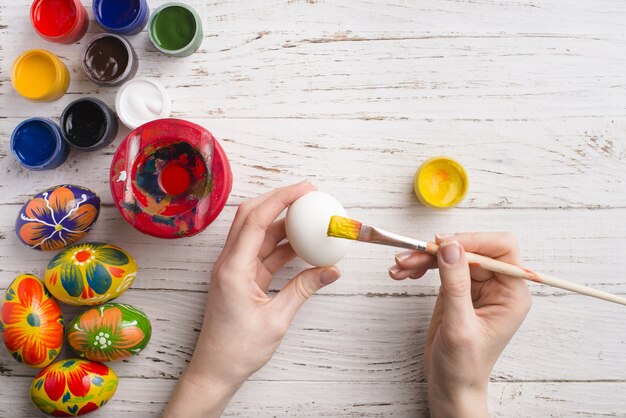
530 95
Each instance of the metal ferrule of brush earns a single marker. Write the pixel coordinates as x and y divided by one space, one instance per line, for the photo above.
380 236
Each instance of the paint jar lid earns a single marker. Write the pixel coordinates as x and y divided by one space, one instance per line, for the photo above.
142 100
170 178
440 183
37 144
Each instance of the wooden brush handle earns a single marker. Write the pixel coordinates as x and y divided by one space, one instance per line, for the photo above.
496 266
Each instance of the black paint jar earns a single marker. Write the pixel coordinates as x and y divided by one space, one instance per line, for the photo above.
88 124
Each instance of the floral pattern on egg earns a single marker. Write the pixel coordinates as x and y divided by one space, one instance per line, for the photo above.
110 332
57 217
90 273
31 322
74 387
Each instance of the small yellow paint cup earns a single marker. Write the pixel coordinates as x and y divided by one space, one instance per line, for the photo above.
40 76
440 183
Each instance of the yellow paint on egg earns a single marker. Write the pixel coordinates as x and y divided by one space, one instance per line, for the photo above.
40 76
440 183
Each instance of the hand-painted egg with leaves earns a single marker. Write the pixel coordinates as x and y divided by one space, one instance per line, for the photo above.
110 332
57 217
74 387
90 273
31 322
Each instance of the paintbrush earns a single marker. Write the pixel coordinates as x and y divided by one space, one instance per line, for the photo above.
341 227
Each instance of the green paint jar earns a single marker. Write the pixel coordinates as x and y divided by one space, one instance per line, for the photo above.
175 29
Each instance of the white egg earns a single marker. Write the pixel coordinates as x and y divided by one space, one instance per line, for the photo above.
307 223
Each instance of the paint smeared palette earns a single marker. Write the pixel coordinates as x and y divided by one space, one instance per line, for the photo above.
170 178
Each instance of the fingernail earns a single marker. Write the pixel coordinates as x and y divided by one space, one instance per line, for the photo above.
450 252
329 275
404 255
394 269
441 237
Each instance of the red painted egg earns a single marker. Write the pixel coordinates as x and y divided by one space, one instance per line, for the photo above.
31 322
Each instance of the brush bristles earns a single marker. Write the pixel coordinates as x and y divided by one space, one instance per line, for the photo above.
340 227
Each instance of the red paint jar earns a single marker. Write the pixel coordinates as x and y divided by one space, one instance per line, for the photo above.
60 21
170 178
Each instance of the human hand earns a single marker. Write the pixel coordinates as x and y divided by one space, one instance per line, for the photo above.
476 314
242 325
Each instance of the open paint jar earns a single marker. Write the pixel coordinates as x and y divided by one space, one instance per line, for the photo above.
37 144
40 76
61 21
170 178
109 60
122 17
175 29
142 100
88 124
440 183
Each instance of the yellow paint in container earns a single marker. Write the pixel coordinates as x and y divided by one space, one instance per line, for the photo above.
440 183
40 76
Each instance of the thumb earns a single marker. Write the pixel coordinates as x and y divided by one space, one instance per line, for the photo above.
456 283
289 300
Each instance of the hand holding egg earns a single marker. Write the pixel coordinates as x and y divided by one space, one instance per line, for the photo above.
243 326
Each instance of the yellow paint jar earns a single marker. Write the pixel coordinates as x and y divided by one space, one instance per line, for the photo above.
440 183
40 76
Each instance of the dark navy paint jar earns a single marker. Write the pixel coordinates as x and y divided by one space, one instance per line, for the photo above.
38 144
122 17
88 124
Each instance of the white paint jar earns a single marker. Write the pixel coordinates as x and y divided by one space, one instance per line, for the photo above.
142 100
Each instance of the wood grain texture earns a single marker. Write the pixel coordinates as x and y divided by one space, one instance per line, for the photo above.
143 398
371 338
354 95
584 246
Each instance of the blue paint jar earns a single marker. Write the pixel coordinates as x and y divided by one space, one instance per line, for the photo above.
121 17
38 144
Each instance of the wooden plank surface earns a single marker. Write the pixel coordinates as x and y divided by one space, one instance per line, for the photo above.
353 95
144 398
581 245
374 338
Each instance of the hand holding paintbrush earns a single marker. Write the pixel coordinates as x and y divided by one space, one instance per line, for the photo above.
341 227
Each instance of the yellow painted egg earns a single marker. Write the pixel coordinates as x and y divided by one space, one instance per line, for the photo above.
70 388
31 322
90 273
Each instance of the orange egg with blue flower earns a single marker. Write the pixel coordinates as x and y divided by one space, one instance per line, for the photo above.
90 273
74 387
57 217
110 332
31 322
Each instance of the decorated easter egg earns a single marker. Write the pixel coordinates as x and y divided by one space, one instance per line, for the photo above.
109 332
31 322
70 388
57 217
90 273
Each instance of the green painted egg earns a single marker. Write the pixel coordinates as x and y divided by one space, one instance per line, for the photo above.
90 273
69 388
110 332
